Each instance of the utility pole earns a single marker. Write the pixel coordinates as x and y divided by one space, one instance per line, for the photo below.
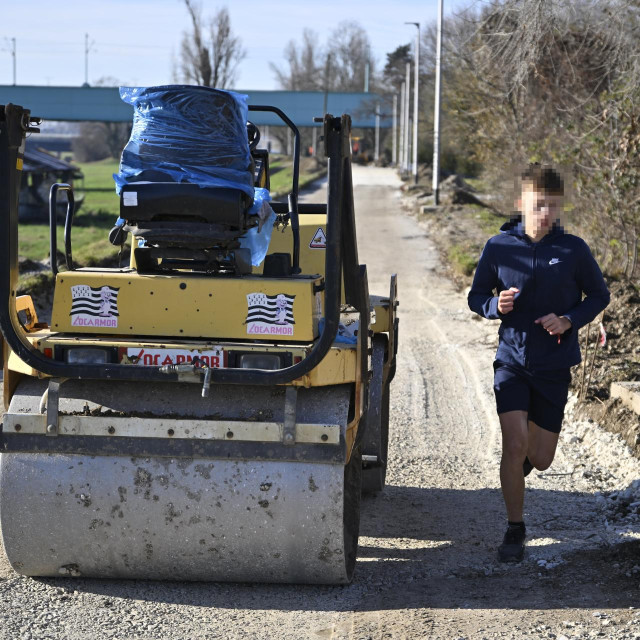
407 100
10 46
394 129
13 53
410 143
403 95
366 72
327 71
376 155
415 101
88 46
436 115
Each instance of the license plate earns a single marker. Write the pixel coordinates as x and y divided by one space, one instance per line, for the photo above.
214 358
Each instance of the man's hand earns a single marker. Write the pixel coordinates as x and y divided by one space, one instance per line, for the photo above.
555 325
505 300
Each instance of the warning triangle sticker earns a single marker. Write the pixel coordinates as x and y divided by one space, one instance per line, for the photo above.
319 240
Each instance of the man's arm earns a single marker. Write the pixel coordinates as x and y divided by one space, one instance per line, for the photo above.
481 298
592 283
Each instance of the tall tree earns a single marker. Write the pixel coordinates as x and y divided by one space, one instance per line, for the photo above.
394 71
304 63
351 53
345 55
209 52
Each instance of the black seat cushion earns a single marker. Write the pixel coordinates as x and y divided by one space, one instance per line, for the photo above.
185 202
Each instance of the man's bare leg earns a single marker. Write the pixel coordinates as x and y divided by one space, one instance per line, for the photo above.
515 442
542 446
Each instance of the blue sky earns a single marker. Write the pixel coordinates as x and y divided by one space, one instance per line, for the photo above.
135 41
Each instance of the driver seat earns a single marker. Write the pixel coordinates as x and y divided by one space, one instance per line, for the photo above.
179 223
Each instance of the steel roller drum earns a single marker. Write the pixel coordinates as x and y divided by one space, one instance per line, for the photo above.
117 516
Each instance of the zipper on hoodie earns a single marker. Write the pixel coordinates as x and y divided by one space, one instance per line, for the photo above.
531 323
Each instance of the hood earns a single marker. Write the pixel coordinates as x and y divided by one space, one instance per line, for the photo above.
515 227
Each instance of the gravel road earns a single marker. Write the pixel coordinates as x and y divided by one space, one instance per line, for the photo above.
427 563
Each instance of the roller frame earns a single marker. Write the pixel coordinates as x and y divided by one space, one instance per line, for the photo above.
308 530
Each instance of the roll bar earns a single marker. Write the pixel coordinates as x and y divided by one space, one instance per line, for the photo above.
293 196
340 260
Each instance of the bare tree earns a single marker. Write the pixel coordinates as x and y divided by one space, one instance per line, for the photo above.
339 66
346 54
304 64
351 52
98 140
210 53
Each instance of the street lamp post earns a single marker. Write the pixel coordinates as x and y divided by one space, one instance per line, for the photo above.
415 101
407 100
436 114
376 155
403 124
394 137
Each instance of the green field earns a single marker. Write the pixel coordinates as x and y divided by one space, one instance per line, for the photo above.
91 225
100 210
282 174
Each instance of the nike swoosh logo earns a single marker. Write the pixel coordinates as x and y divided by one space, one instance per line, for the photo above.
554 261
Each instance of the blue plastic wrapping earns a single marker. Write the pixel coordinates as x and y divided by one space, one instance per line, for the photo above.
260 197
257 239
345 334
185 133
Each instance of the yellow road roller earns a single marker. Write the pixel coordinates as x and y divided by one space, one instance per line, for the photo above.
214 409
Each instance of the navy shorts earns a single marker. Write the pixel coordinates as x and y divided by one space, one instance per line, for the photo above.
542 394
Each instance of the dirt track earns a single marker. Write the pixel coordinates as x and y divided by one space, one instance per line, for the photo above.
427 566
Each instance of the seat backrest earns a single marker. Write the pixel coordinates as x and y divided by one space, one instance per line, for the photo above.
187 134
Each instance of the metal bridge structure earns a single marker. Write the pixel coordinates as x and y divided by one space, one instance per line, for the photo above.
103 104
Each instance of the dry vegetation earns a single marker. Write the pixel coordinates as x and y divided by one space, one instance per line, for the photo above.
552 82
557 82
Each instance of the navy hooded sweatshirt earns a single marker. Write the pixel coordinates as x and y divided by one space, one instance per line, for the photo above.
552 275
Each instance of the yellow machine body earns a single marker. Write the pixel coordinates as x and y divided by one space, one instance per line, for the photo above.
313 240
339 366
189 306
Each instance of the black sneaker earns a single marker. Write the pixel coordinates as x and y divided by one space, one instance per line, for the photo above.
512 547
527 467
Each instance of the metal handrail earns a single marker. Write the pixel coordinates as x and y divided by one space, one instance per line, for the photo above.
293 196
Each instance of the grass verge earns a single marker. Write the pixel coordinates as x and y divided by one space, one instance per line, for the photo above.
282 174
463 258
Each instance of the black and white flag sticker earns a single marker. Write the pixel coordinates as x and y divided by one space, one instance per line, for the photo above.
94 306
270 314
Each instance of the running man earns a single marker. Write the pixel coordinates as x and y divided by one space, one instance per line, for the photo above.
539 274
